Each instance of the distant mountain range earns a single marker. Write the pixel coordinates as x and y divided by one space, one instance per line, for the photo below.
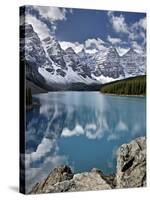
49 67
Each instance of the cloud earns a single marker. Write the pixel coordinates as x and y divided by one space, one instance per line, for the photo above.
143 23
39 27
46 15
113 40
113 136
91 127
93 132
138 30
78 130
94 43
43 148
36 174
135 32
136 129
90 130
118 22
121 126
138 48
91 45
76 46
110 13
51 13
140 24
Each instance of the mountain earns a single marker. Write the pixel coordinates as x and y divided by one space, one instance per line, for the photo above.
50 67
133 63
108 64
32 56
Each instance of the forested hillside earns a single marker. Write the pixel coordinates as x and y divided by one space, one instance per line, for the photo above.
130 86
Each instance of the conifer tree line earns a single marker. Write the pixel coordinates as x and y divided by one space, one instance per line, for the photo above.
130 86
28 96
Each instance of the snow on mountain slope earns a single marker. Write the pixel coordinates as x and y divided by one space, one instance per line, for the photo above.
133 63
96 63
70 77
34 52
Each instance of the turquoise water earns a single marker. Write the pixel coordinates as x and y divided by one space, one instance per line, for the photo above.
81 129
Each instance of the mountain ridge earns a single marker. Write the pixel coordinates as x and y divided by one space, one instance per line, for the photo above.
59 69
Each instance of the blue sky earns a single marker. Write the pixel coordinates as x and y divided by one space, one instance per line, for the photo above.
75 26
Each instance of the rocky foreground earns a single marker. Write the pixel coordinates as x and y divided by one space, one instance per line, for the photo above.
130 172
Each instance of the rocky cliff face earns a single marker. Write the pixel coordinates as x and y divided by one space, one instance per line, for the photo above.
133 63
131 172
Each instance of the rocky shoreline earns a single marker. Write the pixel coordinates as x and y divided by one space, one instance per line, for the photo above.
130 173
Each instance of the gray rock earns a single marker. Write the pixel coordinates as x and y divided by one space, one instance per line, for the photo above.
90 181
81 182
57 175
131 164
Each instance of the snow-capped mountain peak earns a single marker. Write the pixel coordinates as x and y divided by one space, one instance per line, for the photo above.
97 62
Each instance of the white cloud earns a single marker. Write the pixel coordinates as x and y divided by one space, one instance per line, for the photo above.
51 13
71 10
91 126
43 148
94 134
113 136
136 129
137 30
134 31
90 45
140 24
118 22
143 23
110 13
35 175
94 43
113 40
121 126
137 47
76 46
91 130
39 27
78 130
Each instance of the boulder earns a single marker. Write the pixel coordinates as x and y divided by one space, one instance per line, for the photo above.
131 164
57 175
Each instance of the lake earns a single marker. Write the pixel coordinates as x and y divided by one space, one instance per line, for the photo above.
80 129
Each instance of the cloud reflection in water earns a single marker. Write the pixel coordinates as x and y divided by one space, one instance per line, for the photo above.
91 115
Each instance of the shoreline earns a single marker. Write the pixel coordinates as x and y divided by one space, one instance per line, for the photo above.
31 106
122 95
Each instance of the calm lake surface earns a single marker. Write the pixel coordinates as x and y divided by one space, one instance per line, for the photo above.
81 129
